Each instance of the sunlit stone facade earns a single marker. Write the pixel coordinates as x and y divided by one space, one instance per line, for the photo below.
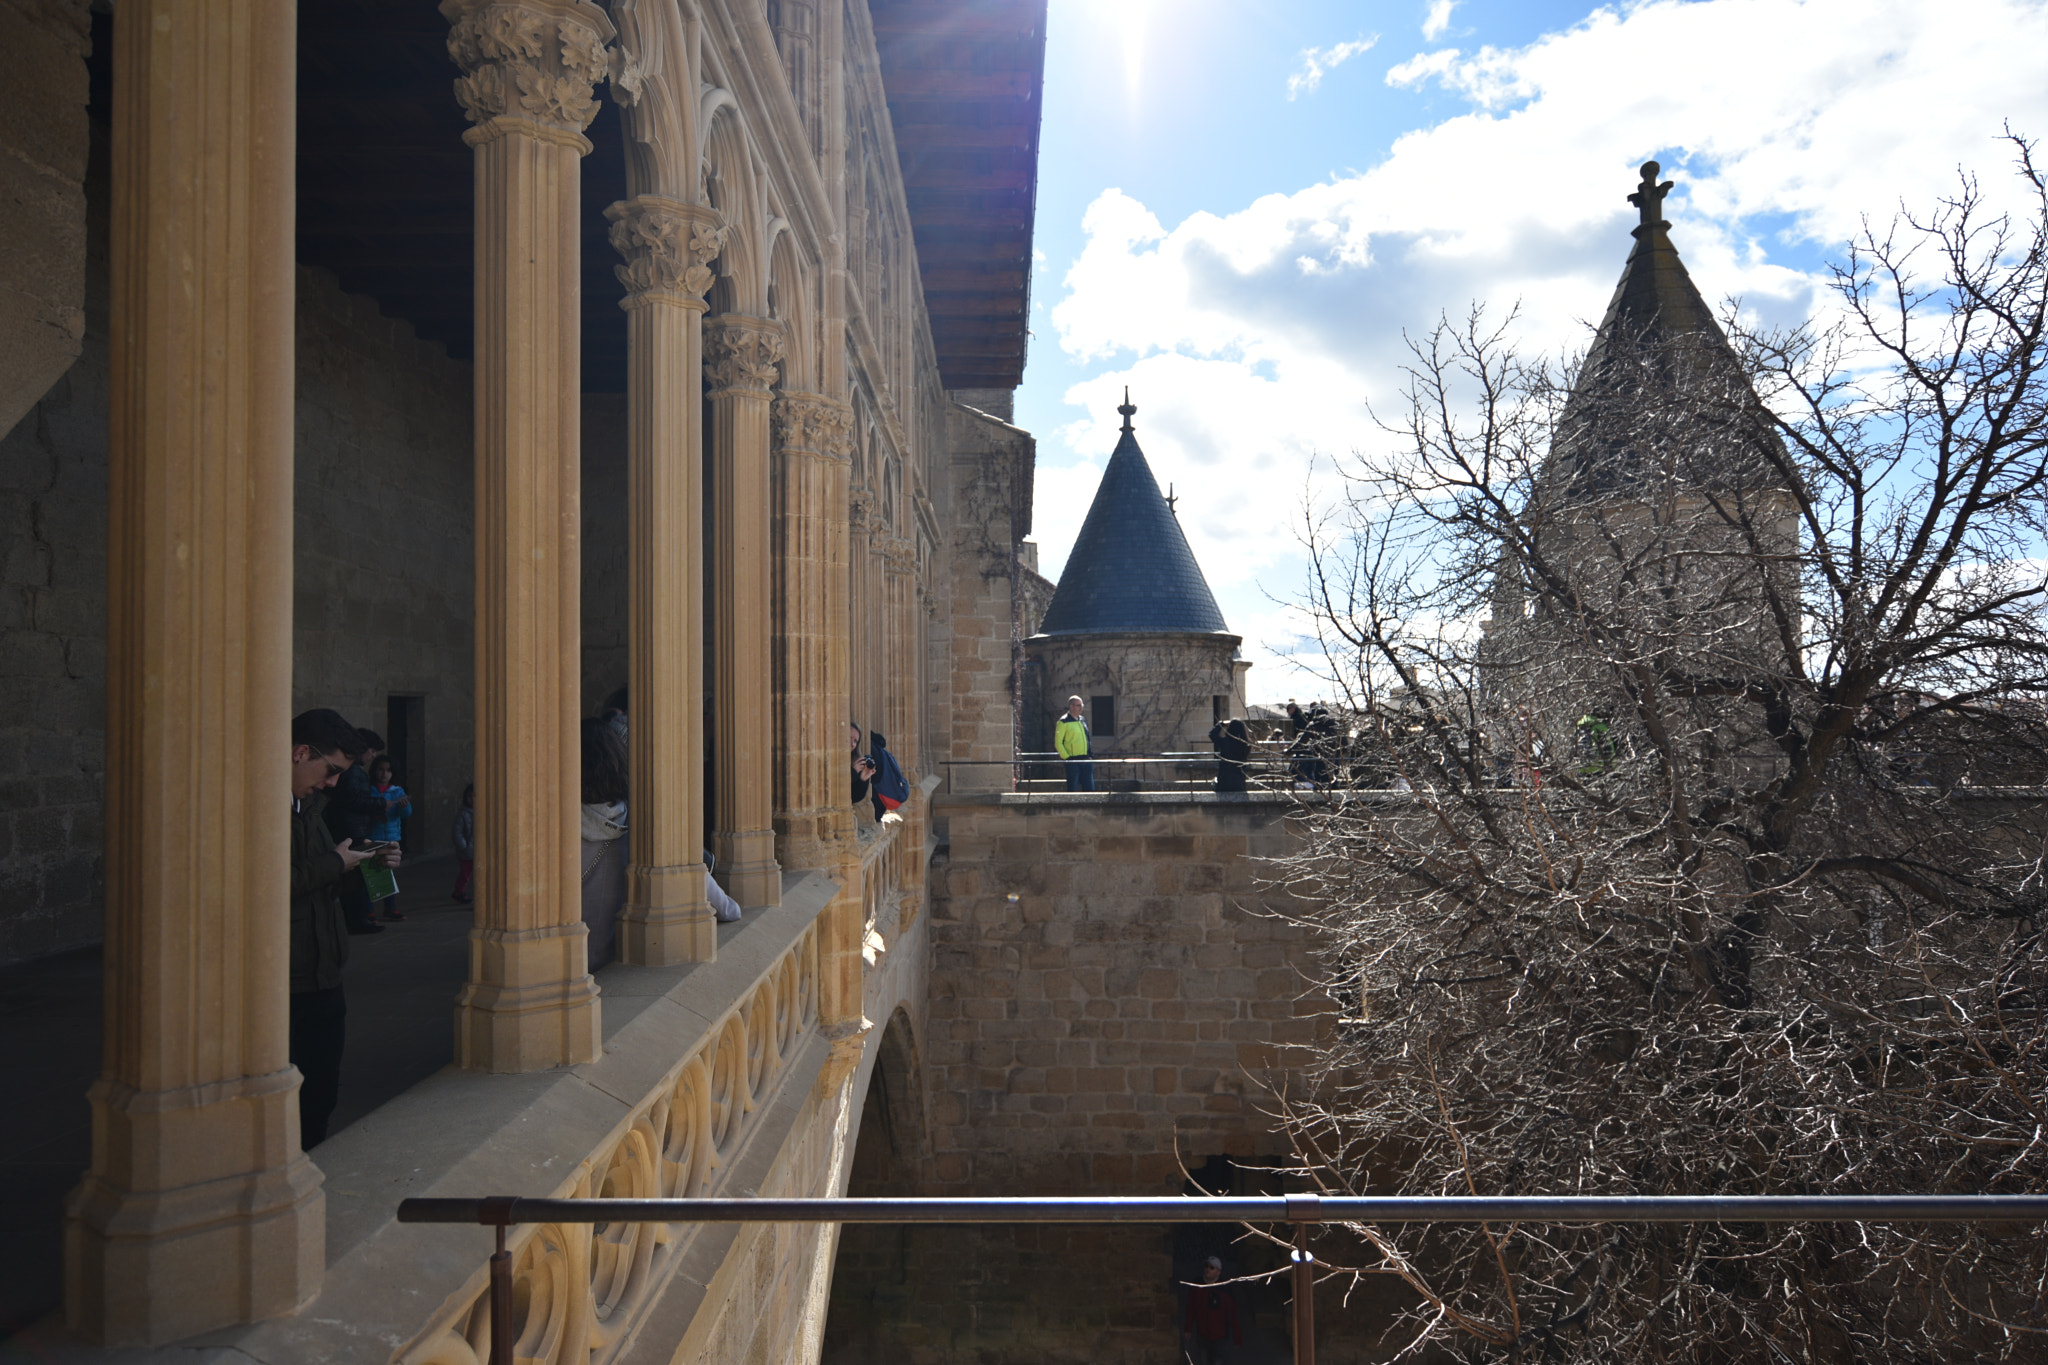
455 370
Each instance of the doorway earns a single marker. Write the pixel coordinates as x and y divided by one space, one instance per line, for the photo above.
405 741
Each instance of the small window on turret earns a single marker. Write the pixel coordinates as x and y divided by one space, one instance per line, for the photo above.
1102 716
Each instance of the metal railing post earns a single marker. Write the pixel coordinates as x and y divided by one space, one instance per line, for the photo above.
1304 1299
500 1212
1304 1210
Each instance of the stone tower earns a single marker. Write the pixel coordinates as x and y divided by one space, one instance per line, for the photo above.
1132 628
1661 534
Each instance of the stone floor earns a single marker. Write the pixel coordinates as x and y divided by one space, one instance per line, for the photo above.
401 991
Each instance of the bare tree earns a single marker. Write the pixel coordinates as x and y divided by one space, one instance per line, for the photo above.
1720 661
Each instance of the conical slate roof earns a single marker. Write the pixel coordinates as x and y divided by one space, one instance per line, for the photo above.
1661 393
1131 569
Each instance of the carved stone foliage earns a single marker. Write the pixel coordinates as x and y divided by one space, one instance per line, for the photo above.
861 515
810 423
899 553
532 60
741 353
668 246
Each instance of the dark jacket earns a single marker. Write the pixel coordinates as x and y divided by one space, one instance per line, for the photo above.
319 933
353 806
1233 747
1212 1314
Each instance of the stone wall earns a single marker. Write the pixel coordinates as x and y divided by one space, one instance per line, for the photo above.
53 634
382 573
1106 1002
1103 986
43 153
985 507
382 593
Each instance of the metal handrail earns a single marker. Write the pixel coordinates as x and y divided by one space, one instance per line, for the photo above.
1186 770
1301 1210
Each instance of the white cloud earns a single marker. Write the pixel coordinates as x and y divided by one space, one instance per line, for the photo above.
1318 62
1255 338
1438 19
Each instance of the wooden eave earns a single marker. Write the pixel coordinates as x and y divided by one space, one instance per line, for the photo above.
965 81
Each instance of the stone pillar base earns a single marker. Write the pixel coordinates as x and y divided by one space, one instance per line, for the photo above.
667 919
747 858
223 1220
503 1023
812 840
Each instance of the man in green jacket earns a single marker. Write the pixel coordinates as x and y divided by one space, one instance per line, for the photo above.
323 747
1070 737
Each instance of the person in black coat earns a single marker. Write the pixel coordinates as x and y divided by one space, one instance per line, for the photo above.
1233 746
353 806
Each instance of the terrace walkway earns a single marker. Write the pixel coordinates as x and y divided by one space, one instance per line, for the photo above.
401 985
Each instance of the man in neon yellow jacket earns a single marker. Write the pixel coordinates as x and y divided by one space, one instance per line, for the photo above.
1070 737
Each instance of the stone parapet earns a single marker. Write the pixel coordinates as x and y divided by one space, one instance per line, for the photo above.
715 1051
713 1080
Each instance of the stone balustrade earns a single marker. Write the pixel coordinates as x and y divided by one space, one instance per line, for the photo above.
581 1289
715 1079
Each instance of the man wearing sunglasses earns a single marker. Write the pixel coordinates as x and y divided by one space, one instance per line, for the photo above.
324 746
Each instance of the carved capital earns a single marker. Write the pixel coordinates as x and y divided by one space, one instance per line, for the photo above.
535 60
741 353
817 425
899 553
860 510
668 246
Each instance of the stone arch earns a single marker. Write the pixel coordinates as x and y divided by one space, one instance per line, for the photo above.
789 303
655 88
732 186
867 442
884 1275
894 1137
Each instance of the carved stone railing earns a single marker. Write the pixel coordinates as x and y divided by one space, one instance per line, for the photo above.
580 1290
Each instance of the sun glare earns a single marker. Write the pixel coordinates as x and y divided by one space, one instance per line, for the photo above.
1132 19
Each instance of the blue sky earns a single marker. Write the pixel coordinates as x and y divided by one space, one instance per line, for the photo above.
1238 216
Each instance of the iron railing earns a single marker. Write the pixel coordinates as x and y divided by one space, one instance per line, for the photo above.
1302 1211
1272 767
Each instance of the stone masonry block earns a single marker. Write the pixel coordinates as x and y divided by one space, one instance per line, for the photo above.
1159 984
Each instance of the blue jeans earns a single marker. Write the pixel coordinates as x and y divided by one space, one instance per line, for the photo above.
1080 775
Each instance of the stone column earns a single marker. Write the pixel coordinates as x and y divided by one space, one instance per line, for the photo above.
668 246
529 66
898 556
842 963
899 663
741 355
199 1209
812 818
861 524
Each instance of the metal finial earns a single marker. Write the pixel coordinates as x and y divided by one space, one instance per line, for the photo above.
1649 197
1127 408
